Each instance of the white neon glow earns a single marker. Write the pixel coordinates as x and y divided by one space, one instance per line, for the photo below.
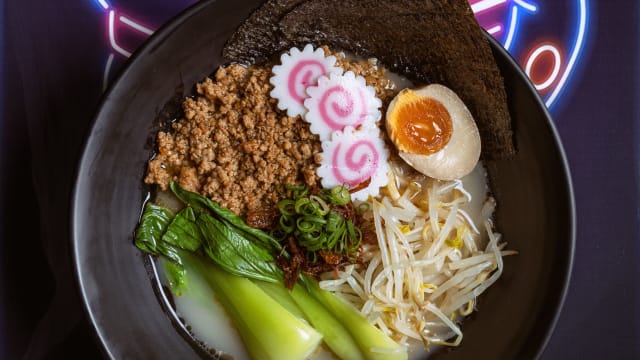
527 6
104 4
135 25
107 69
556 65
112 36
483 5
494 30
512 28
578 45
514 18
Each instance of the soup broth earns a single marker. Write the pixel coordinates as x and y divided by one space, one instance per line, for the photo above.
209 324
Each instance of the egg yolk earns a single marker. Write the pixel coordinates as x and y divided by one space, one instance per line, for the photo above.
422 124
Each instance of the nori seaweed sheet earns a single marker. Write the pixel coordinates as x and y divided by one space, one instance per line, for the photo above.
428 41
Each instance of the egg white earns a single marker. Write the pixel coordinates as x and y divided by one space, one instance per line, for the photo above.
461 154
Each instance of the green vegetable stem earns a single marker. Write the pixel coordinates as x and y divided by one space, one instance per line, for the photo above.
267 329
373 343
238 263
335 335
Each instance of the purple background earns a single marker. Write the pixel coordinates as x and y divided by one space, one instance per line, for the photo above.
54 56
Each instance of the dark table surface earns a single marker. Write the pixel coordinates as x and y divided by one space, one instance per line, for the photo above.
57 58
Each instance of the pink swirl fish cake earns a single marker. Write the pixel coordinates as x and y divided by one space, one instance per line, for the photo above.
339 101
299 70
353 157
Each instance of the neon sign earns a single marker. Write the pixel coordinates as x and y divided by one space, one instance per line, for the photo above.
548 63
528 29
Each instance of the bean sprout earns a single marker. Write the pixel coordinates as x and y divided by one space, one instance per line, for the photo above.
426 271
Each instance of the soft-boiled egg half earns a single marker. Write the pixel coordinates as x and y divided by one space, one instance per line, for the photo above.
434 132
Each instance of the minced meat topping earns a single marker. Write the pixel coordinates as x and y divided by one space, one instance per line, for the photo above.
236 147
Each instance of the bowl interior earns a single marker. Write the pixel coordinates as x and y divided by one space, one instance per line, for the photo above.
535 213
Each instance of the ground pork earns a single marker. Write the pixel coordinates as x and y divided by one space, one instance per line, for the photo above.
236 147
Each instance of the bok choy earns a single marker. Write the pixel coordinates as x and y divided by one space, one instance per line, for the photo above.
267 329
238 262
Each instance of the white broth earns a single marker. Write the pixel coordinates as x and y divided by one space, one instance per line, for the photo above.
209 323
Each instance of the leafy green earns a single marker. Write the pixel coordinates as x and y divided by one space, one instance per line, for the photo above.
202 204
283 296
236 254
373 343
339 195
300 303
150 235
175 273
153 223
268 330
183 231
335 334
241 253
315 225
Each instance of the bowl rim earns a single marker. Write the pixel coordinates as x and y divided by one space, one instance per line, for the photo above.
568 182
157 38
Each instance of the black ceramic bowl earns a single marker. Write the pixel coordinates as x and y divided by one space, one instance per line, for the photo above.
119 288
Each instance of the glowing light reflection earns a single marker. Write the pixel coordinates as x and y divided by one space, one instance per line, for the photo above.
577 50
513 26
508 32
494 30
112 36
103 3
484 5
143 29
514 20
527 6
556 65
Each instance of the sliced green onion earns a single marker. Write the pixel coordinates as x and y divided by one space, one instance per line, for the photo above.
339 195
333 221
287 224
300 204
313 241
333 239
363 208
287 207
358 238
315 225
298 190
306 226
324 208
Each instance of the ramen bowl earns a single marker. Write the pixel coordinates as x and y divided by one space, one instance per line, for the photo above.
120 287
